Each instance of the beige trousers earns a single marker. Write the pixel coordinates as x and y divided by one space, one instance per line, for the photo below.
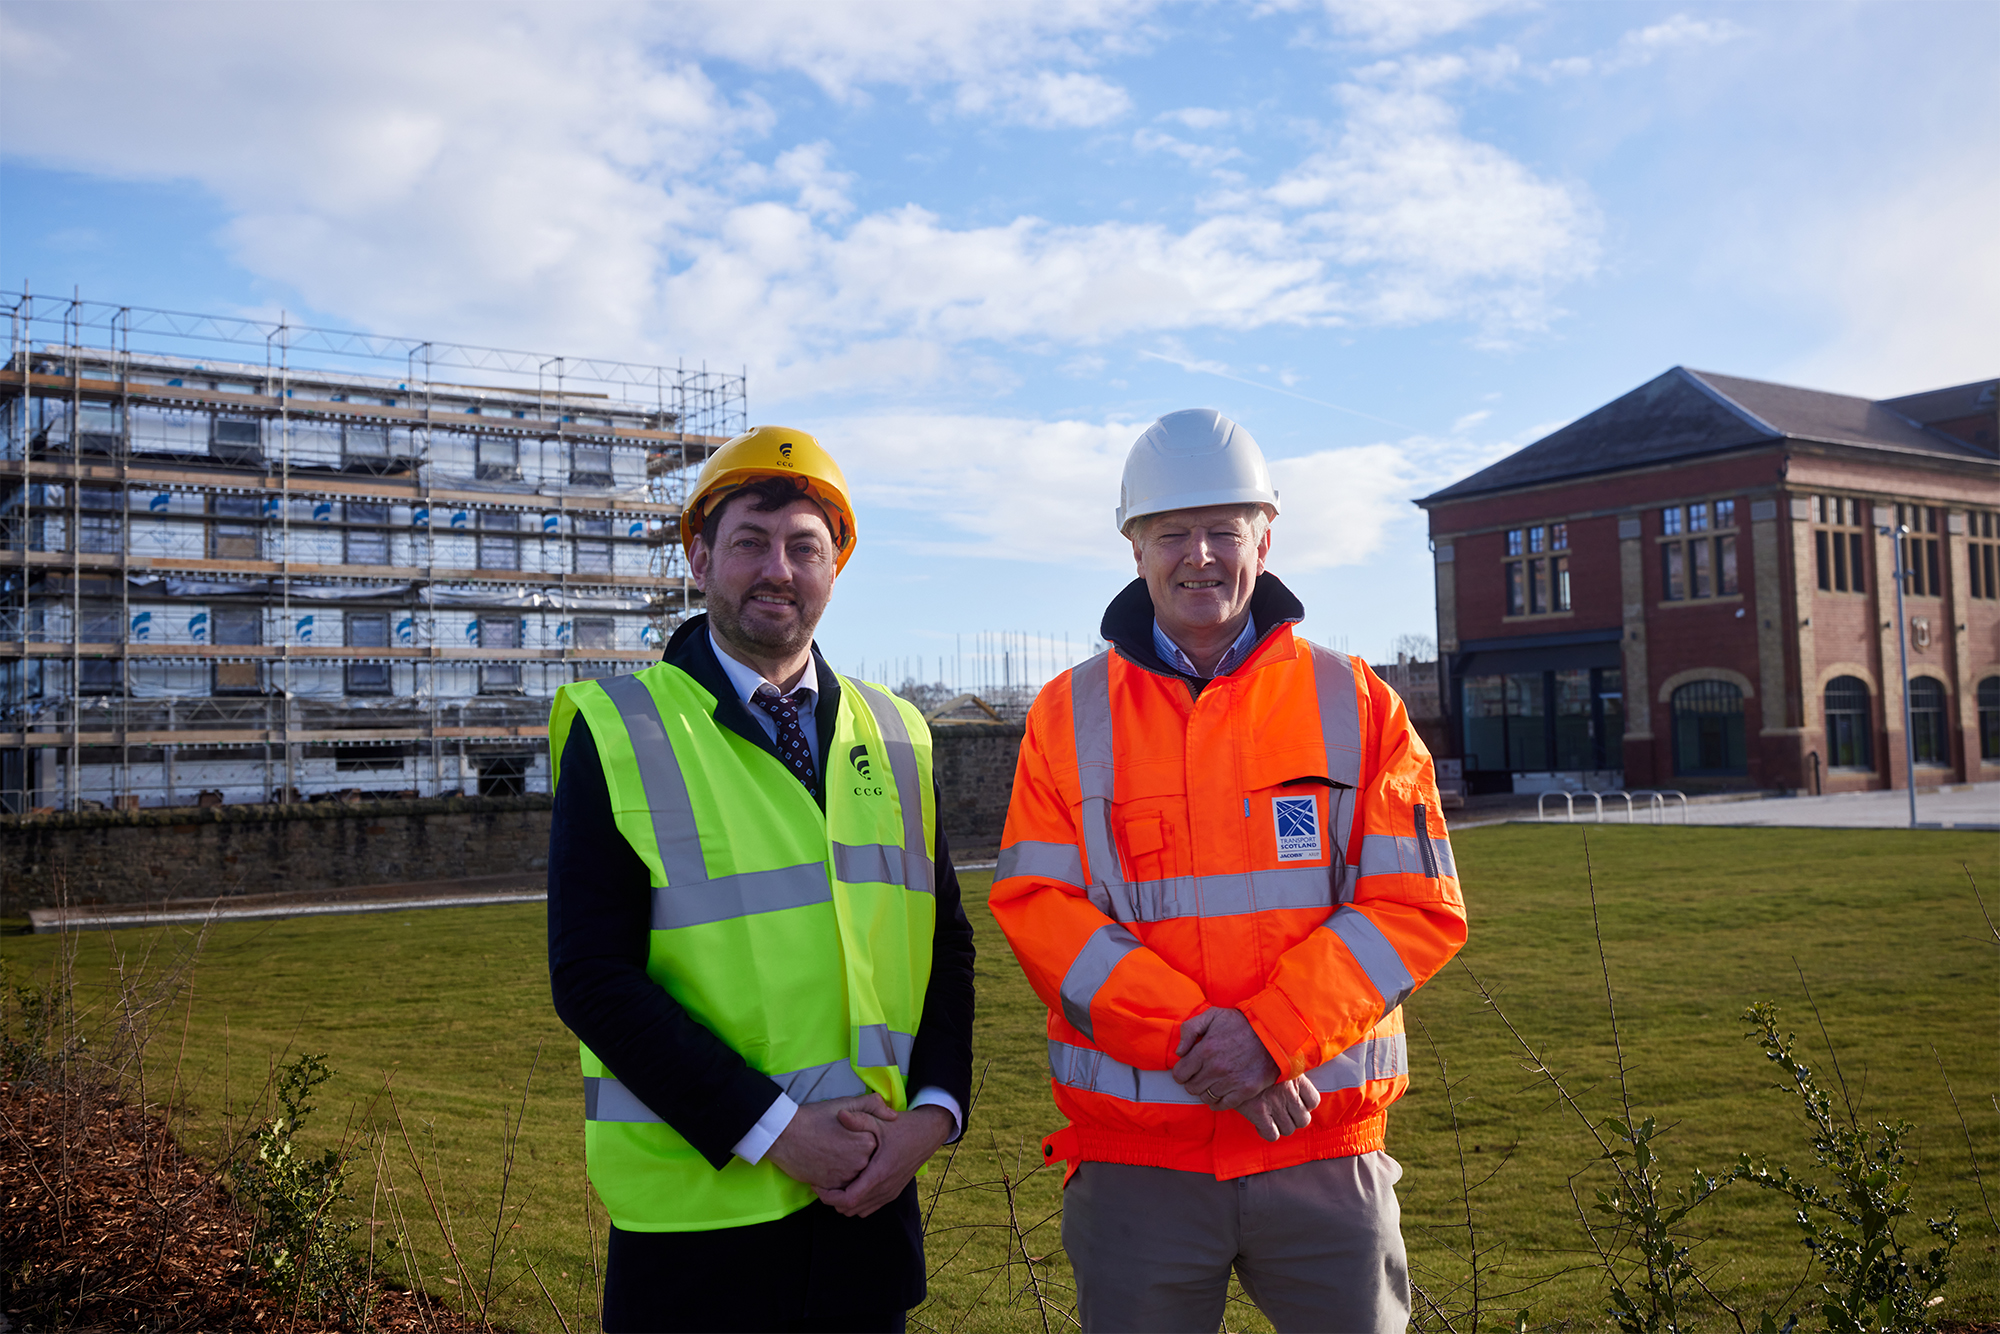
1318 1247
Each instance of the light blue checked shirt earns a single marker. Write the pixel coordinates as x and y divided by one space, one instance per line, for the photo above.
1170 652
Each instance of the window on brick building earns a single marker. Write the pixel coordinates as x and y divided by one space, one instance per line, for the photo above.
1837 543
1929 736
1708 729
1983 556
1539 585
1699 558
1921 562
1849 725
1989 718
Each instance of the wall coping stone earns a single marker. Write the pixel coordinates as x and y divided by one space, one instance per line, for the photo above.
265 813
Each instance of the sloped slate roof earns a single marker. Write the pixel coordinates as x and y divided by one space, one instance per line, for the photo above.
1937 405
1685 414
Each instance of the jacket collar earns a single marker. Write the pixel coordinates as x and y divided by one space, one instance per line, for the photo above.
690 651
1128 623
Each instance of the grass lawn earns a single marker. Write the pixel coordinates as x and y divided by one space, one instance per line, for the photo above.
449 1007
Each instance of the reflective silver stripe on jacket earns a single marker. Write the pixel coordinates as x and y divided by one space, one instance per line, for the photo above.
1375 953
1093 1072
1107 946
1096 773
1339 714
605 1099
690 897
1050 861
1230 895
1199 896
1403 854
909 790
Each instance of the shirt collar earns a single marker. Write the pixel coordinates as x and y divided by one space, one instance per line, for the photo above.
1170 652
748 681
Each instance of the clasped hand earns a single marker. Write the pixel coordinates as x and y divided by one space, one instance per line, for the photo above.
858 1153
1223 1062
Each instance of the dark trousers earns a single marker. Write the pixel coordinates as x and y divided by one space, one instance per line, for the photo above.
811 1270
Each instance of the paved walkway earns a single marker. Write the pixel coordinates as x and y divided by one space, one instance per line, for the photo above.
1967 806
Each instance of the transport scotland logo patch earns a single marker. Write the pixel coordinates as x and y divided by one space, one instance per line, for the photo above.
1297 821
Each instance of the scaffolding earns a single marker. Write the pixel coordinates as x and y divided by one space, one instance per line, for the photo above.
249 560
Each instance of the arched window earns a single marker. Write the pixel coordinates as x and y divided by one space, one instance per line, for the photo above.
1928 733
1708 729
1848 724
1989 718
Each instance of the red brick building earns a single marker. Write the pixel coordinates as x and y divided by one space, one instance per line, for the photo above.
1694 587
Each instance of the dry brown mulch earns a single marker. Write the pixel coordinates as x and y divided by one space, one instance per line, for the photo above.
106 1224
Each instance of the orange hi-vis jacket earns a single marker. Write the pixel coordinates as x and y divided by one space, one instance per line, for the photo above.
1271 844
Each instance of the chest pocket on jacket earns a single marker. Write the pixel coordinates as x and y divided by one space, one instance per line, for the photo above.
1145 839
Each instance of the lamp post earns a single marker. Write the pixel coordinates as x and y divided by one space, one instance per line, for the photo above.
1903 652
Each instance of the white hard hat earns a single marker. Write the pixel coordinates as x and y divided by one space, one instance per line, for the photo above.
1191 459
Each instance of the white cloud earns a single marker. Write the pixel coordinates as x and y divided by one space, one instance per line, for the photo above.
576 178
1389 25
1046 100
1910 281
1201 157
845 46
1642 46
1335 505
1009 488
1445 225
1198 118
1045 491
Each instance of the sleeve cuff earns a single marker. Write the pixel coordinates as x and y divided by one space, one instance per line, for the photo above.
753 1146
932 1096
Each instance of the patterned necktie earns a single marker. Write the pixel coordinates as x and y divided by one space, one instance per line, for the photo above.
792 748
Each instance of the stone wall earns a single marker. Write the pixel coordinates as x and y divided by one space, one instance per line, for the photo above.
145 856
975 771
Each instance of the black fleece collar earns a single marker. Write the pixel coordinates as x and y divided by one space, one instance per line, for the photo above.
1128 622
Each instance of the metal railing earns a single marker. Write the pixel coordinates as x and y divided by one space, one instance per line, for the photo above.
1656 804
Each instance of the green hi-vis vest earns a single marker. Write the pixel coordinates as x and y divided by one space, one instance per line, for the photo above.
801 939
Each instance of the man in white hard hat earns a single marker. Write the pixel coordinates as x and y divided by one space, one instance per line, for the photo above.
1224 870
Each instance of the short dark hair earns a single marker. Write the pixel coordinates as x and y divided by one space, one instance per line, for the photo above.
766 494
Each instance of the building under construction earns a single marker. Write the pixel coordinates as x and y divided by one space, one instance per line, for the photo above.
248 561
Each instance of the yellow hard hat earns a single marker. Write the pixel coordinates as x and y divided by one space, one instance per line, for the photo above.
772 451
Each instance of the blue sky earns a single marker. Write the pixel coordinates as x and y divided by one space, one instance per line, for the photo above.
977 247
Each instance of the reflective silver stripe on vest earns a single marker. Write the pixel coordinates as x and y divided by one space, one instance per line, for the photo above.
1096 773
1402 854
1376 955
882 1045
699 902
605 1099
1230 895
674 832
1089 971
878 863
1339 716
909 792
1094 1072
1050 861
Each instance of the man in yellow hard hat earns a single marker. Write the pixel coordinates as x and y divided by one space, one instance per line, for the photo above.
755 931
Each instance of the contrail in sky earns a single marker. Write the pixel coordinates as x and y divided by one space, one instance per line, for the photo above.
1206 369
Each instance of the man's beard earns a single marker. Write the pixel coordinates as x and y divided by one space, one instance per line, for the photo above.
764 641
